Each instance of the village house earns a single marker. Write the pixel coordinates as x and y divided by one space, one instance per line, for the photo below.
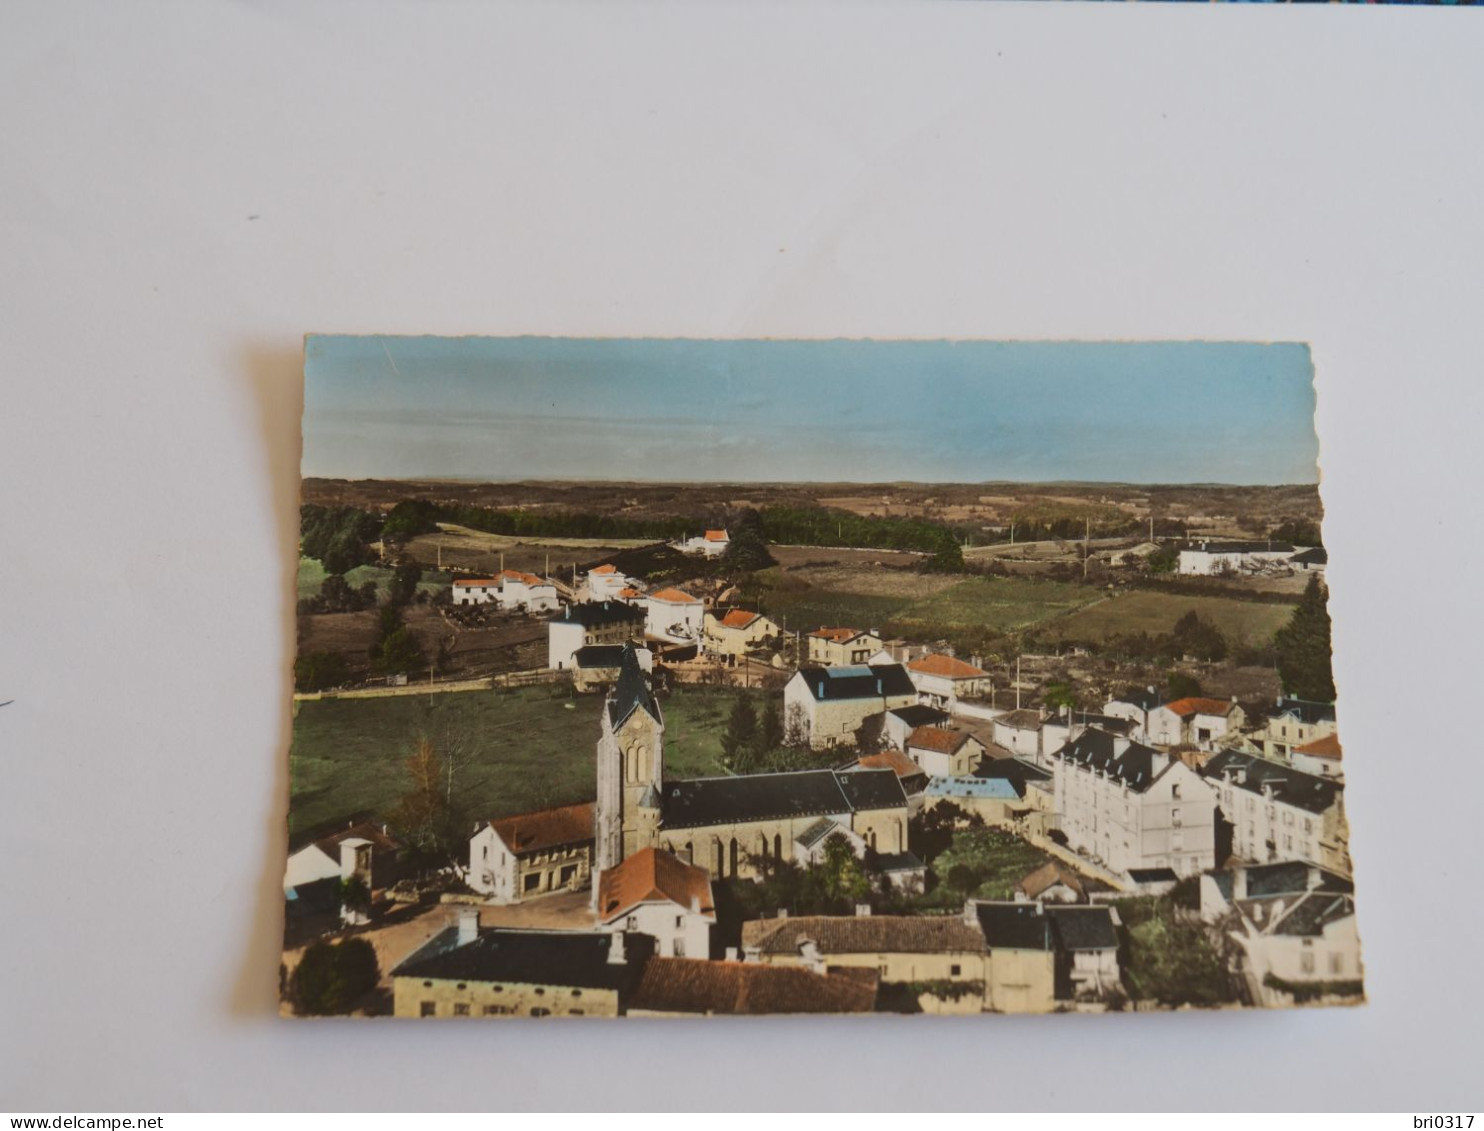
1204 559
1019 732
527 593
995 800
1315 560
1294 722
1052 882
737 633
656 894
595 666
1321 757
826 706
899 722
939 960
1128 807
841 647
1039 955
475 591
730 824
469 971
1194 721
945 752
941 681
710 544
1280 813
582 625
674 616
313 878
913 778
1295 926
1056 729
606 582
1134 704
812 846
516 858
902 872
686 987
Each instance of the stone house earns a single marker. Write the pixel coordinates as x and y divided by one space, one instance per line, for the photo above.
1280 813
1294 722
841 647
945 752
827 706
737 632
1194 721
517 858
656 894
589 623
941 681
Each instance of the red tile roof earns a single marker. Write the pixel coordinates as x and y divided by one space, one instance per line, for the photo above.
717 536
674 597
739 618
946 666
476 582
838 635
904 766
651 874
1326 747
548 828
604 569
693 985
628 591
1184 708
1047 876
941 739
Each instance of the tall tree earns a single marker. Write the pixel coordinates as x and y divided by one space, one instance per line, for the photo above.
426 819
1304 660
739 740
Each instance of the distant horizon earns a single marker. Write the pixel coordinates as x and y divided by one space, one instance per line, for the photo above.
505 410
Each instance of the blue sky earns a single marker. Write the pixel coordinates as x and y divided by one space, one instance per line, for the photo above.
737 411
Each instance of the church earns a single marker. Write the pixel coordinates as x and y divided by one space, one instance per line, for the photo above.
724 824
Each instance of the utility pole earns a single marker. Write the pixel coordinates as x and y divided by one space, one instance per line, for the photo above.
1086 547
1017 681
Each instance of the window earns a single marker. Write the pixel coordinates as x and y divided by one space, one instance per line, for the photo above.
539 1012
497 1010
540 991
1175 792
1336 963
461 1009
955 970
679 922
463 985
576 993
1306 961
1175 818
532 881
576 1013
428 1009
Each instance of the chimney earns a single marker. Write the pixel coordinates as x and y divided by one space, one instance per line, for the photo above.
615 949
783 913
1312 880
695 904
862 910
468 925
731 954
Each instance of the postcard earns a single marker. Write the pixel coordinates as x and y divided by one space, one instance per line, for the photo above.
677 678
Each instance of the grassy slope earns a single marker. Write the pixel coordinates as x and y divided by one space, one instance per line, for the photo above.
1242 622
312 576
531 750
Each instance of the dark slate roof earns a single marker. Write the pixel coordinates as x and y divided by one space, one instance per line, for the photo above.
1152 875
1013 770
762 797
1243 547
1292 787
1289 877
860 681
898 862
598 656
1083 928
1314 912
1135 768
593 614
1020 720
631 692
1014 926
543 958
1305 710
1089 719
919 715
1316 556
1144 698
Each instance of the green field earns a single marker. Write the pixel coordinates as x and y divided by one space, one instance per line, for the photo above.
1243 623
992 604
312 576
530 748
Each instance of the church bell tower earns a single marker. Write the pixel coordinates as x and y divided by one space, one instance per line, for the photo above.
630 768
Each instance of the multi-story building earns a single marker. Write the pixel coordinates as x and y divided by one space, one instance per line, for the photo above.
1294 722
1130 807
516 858
842 647
1194 721
826 706
579 626
737 632
942 681
1280 813
674 616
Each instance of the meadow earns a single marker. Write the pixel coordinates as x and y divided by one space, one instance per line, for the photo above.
1243 623
526 749
312 575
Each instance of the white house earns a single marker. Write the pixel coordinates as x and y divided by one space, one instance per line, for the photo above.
711 544
943 680
1315 560
527 593
1129 807
655 893
516 858
1295 925
1056 730
587 624
1194 721
605 582
899 722
1293 723
476 591
674 616
362 849
1020 733
945 752
1206 558
1322 757
826 706
1280 813
1135 704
